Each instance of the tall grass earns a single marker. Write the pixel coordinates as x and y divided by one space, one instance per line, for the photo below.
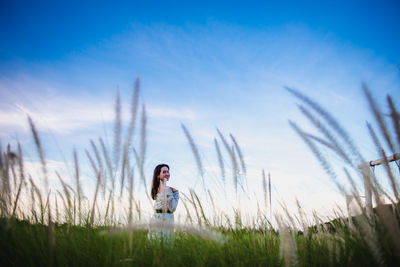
379 231
109 230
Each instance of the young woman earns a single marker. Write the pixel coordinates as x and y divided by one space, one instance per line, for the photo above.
166 198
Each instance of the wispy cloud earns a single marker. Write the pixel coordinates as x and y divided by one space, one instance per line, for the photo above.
67 113
61 116
161 113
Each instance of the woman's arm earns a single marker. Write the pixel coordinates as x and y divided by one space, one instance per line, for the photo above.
173 199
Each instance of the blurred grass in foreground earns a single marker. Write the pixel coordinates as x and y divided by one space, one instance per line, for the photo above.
26 244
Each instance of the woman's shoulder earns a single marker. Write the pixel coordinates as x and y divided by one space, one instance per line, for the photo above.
168 190
172 189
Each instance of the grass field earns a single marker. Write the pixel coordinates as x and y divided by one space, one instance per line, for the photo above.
40 228
26 244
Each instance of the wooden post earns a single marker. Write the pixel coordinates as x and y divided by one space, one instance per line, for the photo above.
372 163
366 172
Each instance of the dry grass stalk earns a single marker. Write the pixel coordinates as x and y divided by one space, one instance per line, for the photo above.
92 163
134 107
141 173
33 202
212 204
289 216
395 119
47 204
108 163
235 169
195 154
100 164
191 201
17 197
231 152
11 159
131 128
331 121
129 135
333 143
21 168
68 196
5 190
117 131
95 199
6 185
163 191
130 215
243 174
140 158
321 141
322 160
74 209
138 208
3 181
378 116
195 199
143 134
98 212
270 196
302 220
112 219
65 205
390 175
108 207
40 152
377 188
97 154
78 187
188 216
264 187
39 195
240 154
50 237
220 162
124 166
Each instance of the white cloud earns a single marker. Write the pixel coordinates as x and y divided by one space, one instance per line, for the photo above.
161 113
64 114
56 115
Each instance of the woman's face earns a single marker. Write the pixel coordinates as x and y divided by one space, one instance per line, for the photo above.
164 174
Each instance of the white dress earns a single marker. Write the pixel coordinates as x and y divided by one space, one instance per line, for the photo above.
162 222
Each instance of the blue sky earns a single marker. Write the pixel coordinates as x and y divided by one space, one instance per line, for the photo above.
55 29
206 65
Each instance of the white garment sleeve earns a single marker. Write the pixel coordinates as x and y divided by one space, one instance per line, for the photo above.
172 200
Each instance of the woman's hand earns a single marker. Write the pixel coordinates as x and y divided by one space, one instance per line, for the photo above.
173 189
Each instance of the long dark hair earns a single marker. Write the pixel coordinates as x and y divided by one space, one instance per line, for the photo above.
156 181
